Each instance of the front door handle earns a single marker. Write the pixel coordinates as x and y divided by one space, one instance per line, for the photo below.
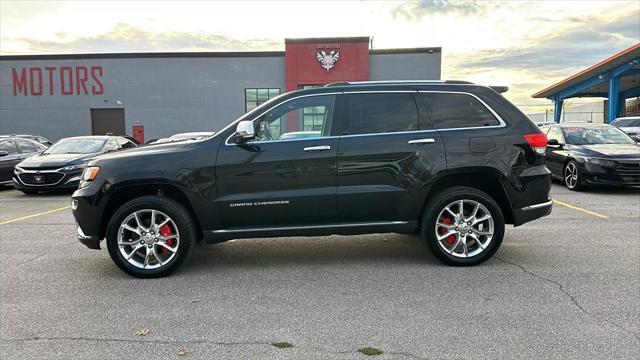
318 148
422 141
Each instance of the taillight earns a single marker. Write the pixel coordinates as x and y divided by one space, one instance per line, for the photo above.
537 141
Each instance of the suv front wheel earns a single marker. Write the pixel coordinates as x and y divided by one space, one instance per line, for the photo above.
150 236
463 226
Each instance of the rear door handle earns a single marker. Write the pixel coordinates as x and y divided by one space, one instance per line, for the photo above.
318 148
422 141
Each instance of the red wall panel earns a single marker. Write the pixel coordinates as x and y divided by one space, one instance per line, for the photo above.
303 68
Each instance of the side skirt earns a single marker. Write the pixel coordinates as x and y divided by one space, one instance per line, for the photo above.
402 227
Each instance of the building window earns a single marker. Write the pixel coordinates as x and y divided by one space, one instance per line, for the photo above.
255 97
313 118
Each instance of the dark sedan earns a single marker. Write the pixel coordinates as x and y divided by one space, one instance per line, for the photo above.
37 138
582 155
12 151
60 166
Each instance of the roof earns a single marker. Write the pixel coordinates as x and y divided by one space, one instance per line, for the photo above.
578 124
21 137
398 82
429 50
603 66
135 55
498 89
97 137
327 40
210 54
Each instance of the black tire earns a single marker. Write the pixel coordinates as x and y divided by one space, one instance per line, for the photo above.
574 184
438 202
180 216
29 192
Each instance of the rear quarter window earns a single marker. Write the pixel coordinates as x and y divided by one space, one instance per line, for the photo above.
453 111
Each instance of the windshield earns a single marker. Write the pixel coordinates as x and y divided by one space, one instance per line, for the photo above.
595 135
627 122
76 146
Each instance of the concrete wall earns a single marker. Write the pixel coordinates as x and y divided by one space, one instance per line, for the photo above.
166 95
416 66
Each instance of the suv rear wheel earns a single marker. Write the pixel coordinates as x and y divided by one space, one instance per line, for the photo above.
463 226
150 236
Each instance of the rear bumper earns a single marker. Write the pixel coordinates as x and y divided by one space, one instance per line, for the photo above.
92 242
532 212
529 194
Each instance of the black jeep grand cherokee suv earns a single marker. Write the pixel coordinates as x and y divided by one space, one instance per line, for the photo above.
453 161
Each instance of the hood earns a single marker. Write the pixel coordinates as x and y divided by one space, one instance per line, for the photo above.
55 160
630 151
145 150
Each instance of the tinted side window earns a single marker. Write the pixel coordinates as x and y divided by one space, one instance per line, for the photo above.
9 146
555 133
308 117
126 144
451 111
26 146
378 113
112 145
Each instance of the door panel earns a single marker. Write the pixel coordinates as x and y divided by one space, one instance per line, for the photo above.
382 177
385 163
277 183
555 154
8 162
287 175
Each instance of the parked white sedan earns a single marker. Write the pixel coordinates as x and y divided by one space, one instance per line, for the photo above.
630 125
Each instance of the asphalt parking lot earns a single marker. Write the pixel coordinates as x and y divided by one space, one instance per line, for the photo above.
566 286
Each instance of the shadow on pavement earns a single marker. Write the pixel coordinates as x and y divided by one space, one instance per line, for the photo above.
381 249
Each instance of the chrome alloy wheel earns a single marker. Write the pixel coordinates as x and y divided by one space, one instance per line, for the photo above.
148 239
571 175
464 228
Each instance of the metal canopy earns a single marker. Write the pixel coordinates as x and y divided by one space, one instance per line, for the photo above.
616 78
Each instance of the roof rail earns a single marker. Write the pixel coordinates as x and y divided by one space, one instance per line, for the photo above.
398 82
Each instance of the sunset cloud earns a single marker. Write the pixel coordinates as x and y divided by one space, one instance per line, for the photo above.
526 45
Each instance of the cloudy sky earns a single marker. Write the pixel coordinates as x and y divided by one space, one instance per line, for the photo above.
526 45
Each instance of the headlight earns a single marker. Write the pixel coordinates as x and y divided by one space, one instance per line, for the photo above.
602 162
90 173
74 167
18 170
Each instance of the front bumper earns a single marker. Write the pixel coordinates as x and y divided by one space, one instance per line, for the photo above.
87 206
92 242
626 174
68 181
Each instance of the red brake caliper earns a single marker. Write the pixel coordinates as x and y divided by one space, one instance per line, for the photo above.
165 231
451 239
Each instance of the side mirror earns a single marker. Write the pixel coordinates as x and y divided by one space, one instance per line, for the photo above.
3 153
554 142
244 131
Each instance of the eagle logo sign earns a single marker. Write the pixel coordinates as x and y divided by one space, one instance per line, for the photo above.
329 60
